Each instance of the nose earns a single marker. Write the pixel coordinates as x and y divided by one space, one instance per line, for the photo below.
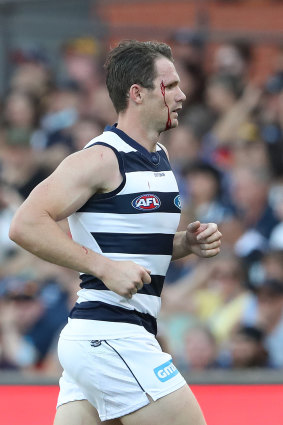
181 97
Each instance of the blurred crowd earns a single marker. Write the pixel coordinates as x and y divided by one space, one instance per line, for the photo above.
227 154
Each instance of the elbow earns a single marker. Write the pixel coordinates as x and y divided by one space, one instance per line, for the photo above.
16 231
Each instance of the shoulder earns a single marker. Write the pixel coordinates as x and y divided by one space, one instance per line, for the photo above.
102 152
97 156
94 166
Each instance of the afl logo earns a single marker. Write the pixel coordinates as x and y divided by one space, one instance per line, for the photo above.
177 201
147 202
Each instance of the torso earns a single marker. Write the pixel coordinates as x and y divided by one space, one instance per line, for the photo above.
136 221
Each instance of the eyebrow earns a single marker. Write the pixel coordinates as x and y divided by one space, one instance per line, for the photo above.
171 83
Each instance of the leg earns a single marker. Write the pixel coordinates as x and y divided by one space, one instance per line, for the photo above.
80 413
178 408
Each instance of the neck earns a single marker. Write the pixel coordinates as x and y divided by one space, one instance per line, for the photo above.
145 136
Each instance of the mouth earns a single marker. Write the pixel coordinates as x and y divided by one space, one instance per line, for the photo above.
177 110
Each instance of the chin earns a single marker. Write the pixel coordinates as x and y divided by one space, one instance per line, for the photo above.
174 124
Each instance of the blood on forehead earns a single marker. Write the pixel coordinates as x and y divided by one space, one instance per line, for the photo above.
168 123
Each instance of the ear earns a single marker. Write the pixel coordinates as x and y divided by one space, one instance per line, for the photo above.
136 93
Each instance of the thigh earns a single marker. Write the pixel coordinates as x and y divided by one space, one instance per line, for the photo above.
80 413
179 408
97 373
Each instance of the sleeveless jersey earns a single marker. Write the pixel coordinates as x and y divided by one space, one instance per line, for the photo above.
136 222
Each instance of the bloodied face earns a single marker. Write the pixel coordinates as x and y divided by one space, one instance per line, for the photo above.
164 102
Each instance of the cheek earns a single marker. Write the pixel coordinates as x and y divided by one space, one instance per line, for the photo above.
158 110
153 110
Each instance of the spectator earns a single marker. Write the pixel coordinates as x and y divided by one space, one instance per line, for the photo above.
233 104
84 130
21 169
246 349
31 314
234 58
271 115
200 349
61 112
205 195
31 76
248 149
249 192
100 107
270 267
19 118
216 295
81 59
189 46
265 310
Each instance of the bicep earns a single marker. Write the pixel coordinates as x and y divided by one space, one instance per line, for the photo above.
76 179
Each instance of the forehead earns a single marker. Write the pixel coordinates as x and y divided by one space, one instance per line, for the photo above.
166 71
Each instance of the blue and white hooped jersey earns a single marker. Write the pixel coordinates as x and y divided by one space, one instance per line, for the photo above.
136 222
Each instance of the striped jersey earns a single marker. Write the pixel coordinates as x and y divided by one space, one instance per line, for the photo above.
137 222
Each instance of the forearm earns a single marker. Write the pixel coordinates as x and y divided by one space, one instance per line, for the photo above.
181 247
43 237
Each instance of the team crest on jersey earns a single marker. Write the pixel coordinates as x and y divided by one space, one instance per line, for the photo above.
146 202
177 201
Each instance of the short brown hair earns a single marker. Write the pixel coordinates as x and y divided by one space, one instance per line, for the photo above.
132 62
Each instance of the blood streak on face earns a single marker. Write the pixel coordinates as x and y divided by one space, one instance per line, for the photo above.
162 87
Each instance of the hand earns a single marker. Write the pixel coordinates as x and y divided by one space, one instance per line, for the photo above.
126 278
204 239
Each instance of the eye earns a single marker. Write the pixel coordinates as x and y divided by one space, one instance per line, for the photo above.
172 85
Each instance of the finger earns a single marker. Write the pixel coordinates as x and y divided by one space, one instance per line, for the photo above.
192 227
131 292
134 291
146 276
139 285
210 231
212 238
208 246
210 252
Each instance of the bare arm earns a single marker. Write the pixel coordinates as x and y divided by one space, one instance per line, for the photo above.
202 239
35 225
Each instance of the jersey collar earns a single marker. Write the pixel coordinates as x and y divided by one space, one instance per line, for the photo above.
153 157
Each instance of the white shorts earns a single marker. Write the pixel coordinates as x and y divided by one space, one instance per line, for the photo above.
116 375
